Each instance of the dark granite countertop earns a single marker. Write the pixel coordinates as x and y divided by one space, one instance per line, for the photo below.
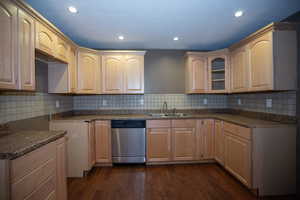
232 118
16 144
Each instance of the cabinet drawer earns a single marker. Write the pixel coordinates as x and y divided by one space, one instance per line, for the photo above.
45 191
33 181
238 130
184 123
158 123
27 163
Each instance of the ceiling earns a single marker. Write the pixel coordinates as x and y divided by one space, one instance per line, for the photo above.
152 24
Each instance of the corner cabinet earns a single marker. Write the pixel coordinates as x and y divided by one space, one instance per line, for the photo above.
122 72
264 60
8 41
195 73
88 70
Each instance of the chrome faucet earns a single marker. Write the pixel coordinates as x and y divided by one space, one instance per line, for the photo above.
164 107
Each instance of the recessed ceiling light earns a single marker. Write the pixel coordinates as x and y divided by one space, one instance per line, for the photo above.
238 13
175 38
72 9
121 37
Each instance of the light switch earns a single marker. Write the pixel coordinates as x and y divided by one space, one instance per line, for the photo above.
269 103
239 102
104 102
205 101
57 105
142 101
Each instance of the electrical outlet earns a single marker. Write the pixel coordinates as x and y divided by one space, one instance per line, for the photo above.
269 103
104 102
142 101
205 101
57 105
239 102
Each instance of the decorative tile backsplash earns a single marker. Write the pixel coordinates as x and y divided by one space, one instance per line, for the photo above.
23 105
149 101
283 103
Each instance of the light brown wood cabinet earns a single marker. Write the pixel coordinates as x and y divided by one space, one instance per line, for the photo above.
219 142
62 50
184 143
262 61
158 140
238 152
122 72
26 62
72 69
239 70
208 137
88 70
8 41
45 39
196 74
61 169
91 145
103 142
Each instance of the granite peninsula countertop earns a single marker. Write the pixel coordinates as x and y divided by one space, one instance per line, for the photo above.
232 118
16 144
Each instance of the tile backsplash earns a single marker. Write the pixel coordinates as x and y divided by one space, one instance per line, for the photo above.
149 101
23 105
282 103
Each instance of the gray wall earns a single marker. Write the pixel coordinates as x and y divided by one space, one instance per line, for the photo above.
164 72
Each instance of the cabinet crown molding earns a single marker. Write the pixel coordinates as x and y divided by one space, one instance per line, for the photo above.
207 53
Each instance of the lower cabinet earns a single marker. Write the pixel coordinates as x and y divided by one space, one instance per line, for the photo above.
61 169
91 145
103 141
184 142
219 142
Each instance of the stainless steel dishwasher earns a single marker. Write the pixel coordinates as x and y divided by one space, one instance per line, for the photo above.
128 141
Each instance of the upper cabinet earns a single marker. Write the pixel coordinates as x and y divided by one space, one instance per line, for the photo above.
264 60
196 73
88 70
72 69
8 41
26 51
122 72
62 50
218 71
45 39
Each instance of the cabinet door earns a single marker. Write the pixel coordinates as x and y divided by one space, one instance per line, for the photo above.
218 74
208 139
184 143
72 68
158 144
261 63
26 51
8 48
134 74
88 73
45 39
239 70
103 141
92 145
112 74
61 170
62 50
196 75
238 158
219 142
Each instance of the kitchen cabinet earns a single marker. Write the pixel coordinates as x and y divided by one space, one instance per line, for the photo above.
184 140
26 62
91 145
80 145
218 71
207 143
8 41
238 152
45 39
158 140
196 73
219 142
122 72
266 58
61 169
239 70
103 142
62 50
88 72
72 69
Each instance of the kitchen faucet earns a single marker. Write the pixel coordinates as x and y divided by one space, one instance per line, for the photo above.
164 107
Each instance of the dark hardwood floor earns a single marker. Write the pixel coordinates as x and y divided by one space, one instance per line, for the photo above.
172 182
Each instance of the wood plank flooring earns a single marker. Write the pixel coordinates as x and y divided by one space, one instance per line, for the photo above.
172 182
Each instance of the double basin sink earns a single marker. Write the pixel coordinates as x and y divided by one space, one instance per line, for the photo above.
162 115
